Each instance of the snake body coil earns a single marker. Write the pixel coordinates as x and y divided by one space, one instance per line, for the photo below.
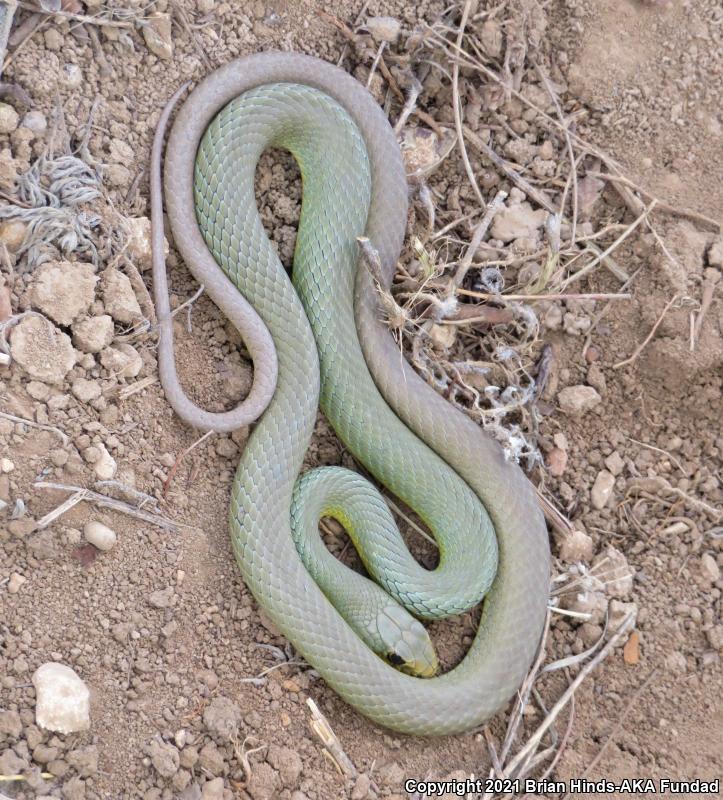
425 451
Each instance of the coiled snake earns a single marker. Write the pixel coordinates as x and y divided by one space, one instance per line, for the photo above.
325 336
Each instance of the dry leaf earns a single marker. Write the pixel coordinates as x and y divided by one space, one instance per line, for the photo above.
631 651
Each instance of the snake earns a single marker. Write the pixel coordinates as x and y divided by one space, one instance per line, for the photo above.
319 339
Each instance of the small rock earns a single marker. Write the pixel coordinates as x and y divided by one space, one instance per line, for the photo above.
158 35
617 612
9 118
517 221
92 334
84 760
557 462
263 783
15 582
715 253
122 360
596 378
105 466
85 390
210 758
576 400
222 717
6 465
593 604
492 38
36 122
63 290
71 76
8 169
99 535
288 764
43 351
384 29
361 787
162 598
612 568
62 699
709 569
575 547
118 296
615 463
10 724
38 391
121 152
139 242
164 758
391 774
602 489
11 764
12 233
676 662
442 335
213 790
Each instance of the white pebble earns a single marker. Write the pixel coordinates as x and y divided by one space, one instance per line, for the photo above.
6 465
63 699
100 535
15 582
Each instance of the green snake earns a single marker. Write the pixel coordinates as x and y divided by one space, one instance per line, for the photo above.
322 340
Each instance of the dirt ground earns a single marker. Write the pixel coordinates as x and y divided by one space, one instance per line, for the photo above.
161 628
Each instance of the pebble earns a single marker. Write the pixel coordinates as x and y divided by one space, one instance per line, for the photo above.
139 242
11 724
12 233
210 758
85 390
576 400
122 360
162 598
63 290
9 118
6 465
213 790
105 467
15 582
99 535
676 662
593 604
288 764
92 334
557 462
602 489
222 717
575 547
164 757
617 612
612 568
42 350
36 122
709 568
157 33
615 463
384 29
263 783
517 221
118 296
71 76
361 787
62 699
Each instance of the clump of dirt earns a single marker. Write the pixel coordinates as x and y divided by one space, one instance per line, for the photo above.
607 389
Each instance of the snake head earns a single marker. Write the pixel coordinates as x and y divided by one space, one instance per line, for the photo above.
407 645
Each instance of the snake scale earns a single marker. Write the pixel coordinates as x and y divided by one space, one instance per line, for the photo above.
322 339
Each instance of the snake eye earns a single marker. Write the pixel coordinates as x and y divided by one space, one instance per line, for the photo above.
395 659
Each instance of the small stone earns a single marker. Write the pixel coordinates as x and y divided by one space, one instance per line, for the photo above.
576 400
85 390
84 760
38 391
288 764
391 774
222 717
517 221
213 790
92 334
596 379
615 463
122 360
71 76
12 234
263 783
9 118
164 758
99 535
10 724
15 582
676 662
715 253
43 351
105 467
612 568
617 613
557 462
8 169
709 569
492 40
210 758
158 35
11 764
139 242
384 29
575 547
121 152
63 290
36 122
602 489
6 465
361 787
62 699
442 335
53 39
118 296
593 604
162 598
